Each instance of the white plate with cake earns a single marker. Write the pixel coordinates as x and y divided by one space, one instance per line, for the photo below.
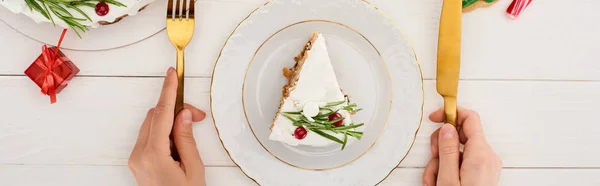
92 24
317 93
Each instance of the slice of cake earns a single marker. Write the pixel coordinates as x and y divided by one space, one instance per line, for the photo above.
76 15
313 109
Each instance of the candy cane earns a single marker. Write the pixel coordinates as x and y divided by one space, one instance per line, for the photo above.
516 7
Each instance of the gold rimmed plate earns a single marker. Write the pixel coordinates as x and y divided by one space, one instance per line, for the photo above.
374 65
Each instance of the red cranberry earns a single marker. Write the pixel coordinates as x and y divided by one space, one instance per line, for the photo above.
102 9
335 116
300 133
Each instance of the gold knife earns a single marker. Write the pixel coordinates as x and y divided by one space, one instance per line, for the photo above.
448 63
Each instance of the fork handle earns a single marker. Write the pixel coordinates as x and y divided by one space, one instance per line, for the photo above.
180 72
179 100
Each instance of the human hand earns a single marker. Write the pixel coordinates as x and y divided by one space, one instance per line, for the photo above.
150 161
478 165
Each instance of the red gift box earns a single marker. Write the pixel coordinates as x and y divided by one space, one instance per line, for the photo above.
51 71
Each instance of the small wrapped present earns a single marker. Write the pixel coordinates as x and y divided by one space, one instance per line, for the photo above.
52 71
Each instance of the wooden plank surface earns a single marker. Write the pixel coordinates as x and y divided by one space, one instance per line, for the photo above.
16 175
534 80
540 45
95 122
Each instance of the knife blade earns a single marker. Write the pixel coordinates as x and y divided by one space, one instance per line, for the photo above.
448 62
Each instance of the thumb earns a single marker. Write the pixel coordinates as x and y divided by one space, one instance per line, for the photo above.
449 156
183 136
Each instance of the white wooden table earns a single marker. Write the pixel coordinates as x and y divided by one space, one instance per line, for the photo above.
535 81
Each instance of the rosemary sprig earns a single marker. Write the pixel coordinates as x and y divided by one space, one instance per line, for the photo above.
60 9
354 134
320 123
325 135
352 108
352 126
336 103
345 141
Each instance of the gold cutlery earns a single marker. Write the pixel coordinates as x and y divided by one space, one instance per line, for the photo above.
448 62
180 29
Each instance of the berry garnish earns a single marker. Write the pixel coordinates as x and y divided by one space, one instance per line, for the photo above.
102 9
336 116
300 133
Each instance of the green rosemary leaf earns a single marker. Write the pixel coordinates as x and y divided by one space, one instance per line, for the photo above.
54 7
327 113
321 119
323 116
114 2
295 113
36 6
326 121
91 5
74 30
325 108
71 18
325 135
80 12
345 141
304 119
69 1
289 117
336 103
349 127
74 24
297 123
320 122
49 16
317 128
350 106
28 4
333 121
354 134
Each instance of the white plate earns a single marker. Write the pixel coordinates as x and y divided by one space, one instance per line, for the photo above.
374 65
130 29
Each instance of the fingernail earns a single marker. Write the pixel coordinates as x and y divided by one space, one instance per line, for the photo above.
170 71
447 131
424 184
185 117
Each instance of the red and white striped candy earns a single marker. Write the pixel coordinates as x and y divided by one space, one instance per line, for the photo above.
516 7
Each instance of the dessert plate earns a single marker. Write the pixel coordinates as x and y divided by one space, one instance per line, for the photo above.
129 30
374 65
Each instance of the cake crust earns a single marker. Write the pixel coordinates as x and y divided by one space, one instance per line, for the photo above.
293 74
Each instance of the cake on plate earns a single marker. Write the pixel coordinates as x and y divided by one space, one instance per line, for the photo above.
76 14
313 110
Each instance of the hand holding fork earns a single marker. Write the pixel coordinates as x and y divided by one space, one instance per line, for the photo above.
180 29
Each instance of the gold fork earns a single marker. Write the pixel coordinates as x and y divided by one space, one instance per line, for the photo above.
180 28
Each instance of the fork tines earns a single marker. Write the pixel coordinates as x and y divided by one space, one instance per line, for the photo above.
176 7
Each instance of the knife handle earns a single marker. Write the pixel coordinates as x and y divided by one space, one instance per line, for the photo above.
450 110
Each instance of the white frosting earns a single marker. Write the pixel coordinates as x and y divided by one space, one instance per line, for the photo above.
19 6
310 109
317 84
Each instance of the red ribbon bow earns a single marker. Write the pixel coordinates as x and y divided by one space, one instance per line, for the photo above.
48 62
